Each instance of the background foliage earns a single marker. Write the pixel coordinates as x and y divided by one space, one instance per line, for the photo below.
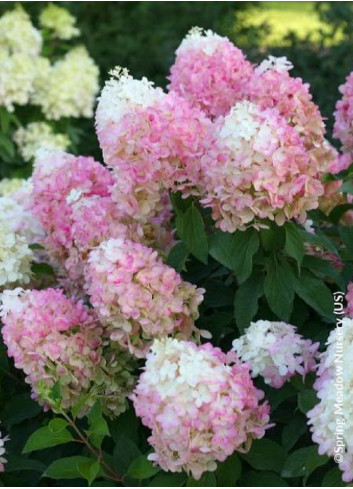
143 36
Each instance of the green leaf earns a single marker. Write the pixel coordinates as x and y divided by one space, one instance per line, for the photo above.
15 464
303 462
315 293
235 251
89 470
42 269
294 246
266 455
19 408
44 438
293 431
66 468
55 393
307 399
333 478
346 187
191 230
164 479
279 289
98 427
246 300
262 479
57 424
273 238
346 234
142 468
228 472
277 396
180 205
126 425
323 269
336 214
125 452
319 239
36 246
177 257
208 479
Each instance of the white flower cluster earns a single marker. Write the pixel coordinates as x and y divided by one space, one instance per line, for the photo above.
59 22
38 135
65 89
205 41
275 351
15 257
121 94
10 185
18 229
70 86
18 74
3 460
331 419
18 35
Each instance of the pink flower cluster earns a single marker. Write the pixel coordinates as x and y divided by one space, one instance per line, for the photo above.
260 170
343 128
138 297
57 178
276 352
53 338
73 202
152 141
210 72
200 404
272 86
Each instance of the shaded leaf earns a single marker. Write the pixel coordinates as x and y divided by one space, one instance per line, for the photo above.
142 468
246 300
66 468
266 455
235 251
177 257
279 287
303 462
315 293
191 230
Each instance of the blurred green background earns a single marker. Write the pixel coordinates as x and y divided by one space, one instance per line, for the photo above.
316 36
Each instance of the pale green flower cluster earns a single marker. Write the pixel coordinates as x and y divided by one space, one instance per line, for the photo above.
15 257
66 88
38 135
18 35
10 185
59 22
70 86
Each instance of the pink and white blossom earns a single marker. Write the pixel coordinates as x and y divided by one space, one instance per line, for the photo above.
200 405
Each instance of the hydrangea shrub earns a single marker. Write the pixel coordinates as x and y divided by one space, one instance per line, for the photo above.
172 315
